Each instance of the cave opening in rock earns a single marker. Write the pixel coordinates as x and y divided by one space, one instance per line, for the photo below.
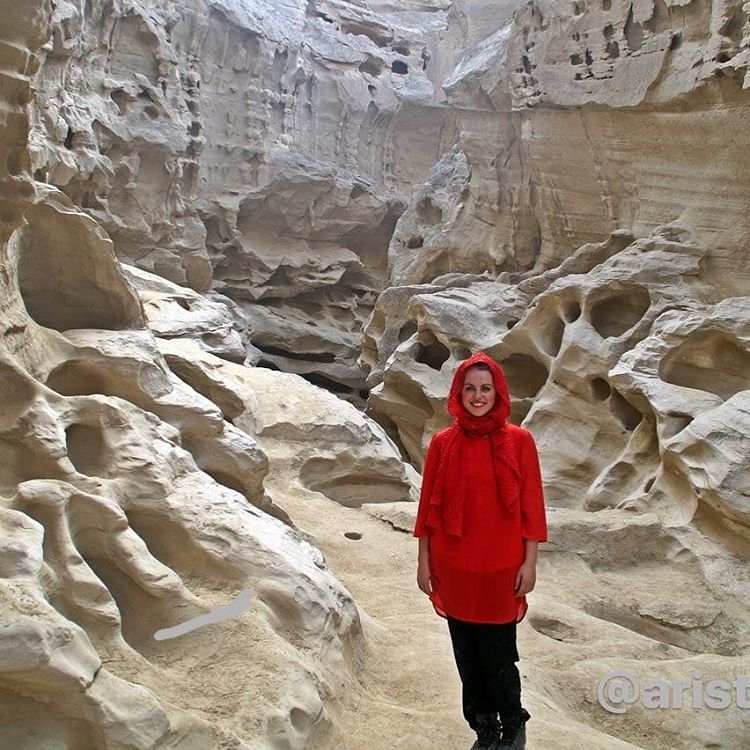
600 389
623 411
550 336
525 375
615 313
87 451
430 351
708 360
407 330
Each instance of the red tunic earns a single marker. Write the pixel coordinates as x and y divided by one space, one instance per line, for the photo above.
473 576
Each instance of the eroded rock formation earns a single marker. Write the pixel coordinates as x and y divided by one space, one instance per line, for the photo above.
361 194
130 502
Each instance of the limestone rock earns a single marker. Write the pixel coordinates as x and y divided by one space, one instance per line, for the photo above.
174 311
310 436
260 149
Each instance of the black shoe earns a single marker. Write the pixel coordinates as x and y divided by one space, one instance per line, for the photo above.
514 731
488 732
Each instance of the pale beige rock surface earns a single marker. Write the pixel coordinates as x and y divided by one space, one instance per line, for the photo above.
560 184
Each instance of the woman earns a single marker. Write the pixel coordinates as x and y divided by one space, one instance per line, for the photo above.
480 519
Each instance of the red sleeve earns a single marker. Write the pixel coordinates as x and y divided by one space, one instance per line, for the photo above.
429 474
533 520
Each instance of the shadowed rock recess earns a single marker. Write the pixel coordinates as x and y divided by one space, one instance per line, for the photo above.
244 245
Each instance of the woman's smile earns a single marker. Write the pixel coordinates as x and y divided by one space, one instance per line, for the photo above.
478 393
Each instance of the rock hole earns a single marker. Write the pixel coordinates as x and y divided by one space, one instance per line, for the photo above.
461 353
268 365
510 323
402 51
69 278
578 77
600 389
575 59
723 57
613 50
578 8
329 384
606 4
372 67
430 351
371 88
525 375
552 336
623 411
673 423
527 66
633 32
69 138
647 487
519 409
429 212
15 161
77 379
400 67
353 535
277 351
676 41
712 361
617 313
86 447
227 480
357 192
608 31
588 58
407 330
300 719
734 24
413 243
572 311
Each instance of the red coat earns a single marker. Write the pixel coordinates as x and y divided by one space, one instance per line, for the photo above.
473 575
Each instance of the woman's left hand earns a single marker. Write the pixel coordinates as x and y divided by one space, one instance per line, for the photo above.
525 578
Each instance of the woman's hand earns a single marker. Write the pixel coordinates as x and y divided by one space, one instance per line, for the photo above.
423 577
525 578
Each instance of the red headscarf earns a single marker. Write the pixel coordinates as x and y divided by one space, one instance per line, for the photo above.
447 495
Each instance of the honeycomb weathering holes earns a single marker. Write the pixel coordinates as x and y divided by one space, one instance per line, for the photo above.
572 311
525 375
551 335
431 352
619 311
623 411
600 389
86 445
407 330
710 361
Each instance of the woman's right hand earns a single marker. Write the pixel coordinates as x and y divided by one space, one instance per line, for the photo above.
423 577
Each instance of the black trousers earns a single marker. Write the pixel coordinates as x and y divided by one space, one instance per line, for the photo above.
486 656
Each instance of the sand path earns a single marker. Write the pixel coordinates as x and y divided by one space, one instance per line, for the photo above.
409 693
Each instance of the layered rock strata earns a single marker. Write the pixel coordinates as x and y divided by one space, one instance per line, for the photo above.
129 500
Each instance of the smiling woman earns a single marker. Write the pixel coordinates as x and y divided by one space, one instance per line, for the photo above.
480 519
478 392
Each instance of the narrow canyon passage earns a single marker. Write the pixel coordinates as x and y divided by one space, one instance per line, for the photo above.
409 695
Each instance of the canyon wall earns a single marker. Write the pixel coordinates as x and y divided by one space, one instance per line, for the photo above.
361 194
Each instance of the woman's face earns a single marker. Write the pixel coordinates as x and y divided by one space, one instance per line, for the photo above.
478 393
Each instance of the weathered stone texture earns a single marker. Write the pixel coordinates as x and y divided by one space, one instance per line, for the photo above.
362 194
